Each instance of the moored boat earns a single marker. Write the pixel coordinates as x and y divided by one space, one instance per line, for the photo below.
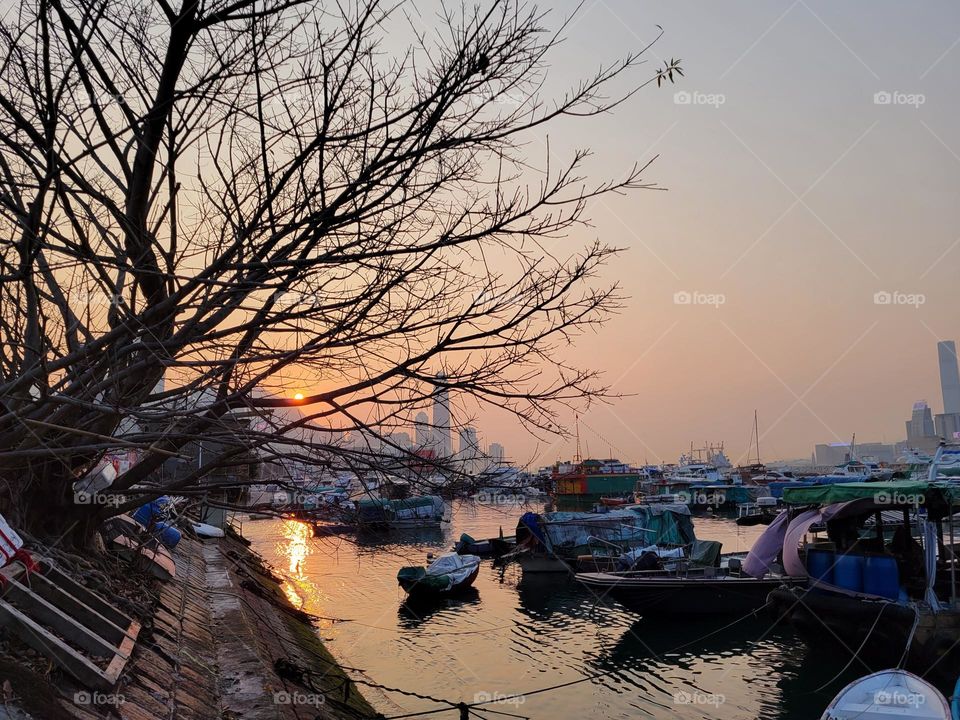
890 555
887 695
447 574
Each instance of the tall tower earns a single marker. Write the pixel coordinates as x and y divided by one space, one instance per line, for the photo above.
949 376
421 430
441 418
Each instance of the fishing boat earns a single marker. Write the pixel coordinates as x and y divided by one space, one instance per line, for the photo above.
553 542
413 512
446 575
705 583
761 512
887 695
890 554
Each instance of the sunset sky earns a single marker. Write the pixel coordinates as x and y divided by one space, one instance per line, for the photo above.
812 162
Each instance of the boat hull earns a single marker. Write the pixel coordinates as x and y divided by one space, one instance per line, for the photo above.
881 627
668 595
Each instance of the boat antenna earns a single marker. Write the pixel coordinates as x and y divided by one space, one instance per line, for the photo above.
577 459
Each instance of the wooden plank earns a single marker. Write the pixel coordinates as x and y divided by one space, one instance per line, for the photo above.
50 615
81 612
123 654
83 594
48 644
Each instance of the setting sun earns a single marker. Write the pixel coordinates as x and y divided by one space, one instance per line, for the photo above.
298 396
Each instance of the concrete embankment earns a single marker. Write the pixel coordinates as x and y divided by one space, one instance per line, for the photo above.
221 642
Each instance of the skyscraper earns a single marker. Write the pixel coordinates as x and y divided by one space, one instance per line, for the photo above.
469 450
421 429
441 418
920 429
949 376
496 452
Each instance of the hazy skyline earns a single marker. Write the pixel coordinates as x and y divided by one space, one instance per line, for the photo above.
796 194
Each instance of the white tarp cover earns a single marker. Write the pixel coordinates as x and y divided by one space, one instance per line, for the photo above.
456 567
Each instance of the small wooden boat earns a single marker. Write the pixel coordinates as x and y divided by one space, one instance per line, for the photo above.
466 545
887 695
447 574
696 591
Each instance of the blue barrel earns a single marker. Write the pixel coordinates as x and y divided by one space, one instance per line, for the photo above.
848 572
881 576
820 564
168 534
151 511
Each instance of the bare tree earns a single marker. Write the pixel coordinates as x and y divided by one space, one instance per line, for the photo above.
233 194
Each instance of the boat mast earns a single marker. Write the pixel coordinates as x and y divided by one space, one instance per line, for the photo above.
577 459
756 431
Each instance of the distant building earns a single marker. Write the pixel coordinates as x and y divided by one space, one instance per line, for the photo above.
921 432
832 453
397 442
468 452
840 452
948 426
468 441
421 430
441 419
949 377
496 452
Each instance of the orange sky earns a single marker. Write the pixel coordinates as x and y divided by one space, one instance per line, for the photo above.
812 164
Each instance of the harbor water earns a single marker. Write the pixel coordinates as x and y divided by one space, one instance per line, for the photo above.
516 635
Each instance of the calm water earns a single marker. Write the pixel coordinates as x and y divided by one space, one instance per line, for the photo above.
515 635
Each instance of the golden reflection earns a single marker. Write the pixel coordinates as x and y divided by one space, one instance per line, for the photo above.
297 548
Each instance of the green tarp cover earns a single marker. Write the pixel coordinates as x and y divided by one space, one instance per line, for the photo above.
894 492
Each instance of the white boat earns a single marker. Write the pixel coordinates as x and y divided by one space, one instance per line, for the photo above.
886 695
